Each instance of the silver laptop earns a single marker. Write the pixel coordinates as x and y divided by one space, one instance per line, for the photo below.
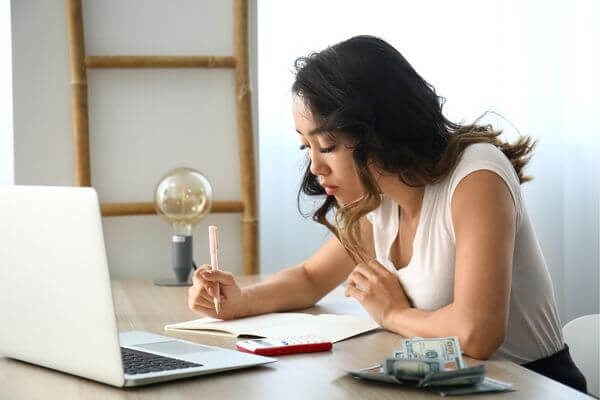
56 302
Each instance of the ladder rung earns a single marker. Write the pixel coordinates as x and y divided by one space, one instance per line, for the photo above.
160 62
119 209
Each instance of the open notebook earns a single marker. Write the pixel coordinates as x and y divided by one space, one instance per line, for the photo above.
328 326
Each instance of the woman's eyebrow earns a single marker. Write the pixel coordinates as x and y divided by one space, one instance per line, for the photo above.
316 131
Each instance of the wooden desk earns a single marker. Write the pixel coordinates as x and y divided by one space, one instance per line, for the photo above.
143 306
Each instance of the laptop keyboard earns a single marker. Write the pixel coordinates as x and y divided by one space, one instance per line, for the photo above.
138 362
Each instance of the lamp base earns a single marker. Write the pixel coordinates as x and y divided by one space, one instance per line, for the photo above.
171 282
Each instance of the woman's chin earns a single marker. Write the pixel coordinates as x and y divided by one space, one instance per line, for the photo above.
340 201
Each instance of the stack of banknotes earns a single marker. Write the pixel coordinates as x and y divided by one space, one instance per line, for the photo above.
435 364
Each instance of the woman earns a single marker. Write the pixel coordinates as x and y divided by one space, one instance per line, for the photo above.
430 229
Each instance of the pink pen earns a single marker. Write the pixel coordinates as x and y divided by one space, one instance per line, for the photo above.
214 261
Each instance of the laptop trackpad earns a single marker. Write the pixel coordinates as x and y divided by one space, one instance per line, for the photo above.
174 347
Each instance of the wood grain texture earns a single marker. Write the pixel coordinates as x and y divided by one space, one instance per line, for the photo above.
148 61
245 140
149 208
142 306
79 94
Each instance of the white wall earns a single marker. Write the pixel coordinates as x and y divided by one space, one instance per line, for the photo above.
6 101
531 61
142 122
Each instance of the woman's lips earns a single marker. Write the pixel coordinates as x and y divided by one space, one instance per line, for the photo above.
330 189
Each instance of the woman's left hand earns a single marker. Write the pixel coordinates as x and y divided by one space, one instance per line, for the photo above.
377 289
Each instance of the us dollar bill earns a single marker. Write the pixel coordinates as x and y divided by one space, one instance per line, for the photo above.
468 376
410 369
446 350
445 383
433 364
430 372
488 385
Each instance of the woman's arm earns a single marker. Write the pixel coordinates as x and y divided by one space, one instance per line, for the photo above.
484 218
293 288
300 286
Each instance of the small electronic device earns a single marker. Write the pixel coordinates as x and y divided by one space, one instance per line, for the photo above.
284 345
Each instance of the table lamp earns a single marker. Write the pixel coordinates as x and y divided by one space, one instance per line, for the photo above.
183 196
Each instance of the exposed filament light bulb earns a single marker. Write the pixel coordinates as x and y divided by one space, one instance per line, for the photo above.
183 196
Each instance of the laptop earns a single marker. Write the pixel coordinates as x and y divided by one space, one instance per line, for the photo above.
57 306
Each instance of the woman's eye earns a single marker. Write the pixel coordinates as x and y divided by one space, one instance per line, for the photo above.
323 149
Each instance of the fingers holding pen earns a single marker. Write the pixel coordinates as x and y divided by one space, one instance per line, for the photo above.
196 293
196 299
203 292
218 276
209 282
202 288
197 275
200 303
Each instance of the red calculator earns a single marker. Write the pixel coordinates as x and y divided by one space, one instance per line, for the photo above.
284 345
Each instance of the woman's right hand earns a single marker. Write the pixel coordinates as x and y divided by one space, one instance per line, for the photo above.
202 291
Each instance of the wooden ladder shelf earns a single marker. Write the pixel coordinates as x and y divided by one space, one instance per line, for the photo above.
80 63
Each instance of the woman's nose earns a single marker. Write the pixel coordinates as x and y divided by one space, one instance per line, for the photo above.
318 166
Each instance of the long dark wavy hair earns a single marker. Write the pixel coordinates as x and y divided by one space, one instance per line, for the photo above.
364 91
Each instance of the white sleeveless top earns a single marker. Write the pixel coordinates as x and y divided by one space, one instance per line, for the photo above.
534 328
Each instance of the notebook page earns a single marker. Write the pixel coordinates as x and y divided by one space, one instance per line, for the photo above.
335 328
241 326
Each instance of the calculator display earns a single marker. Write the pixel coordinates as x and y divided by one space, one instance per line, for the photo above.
263 342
